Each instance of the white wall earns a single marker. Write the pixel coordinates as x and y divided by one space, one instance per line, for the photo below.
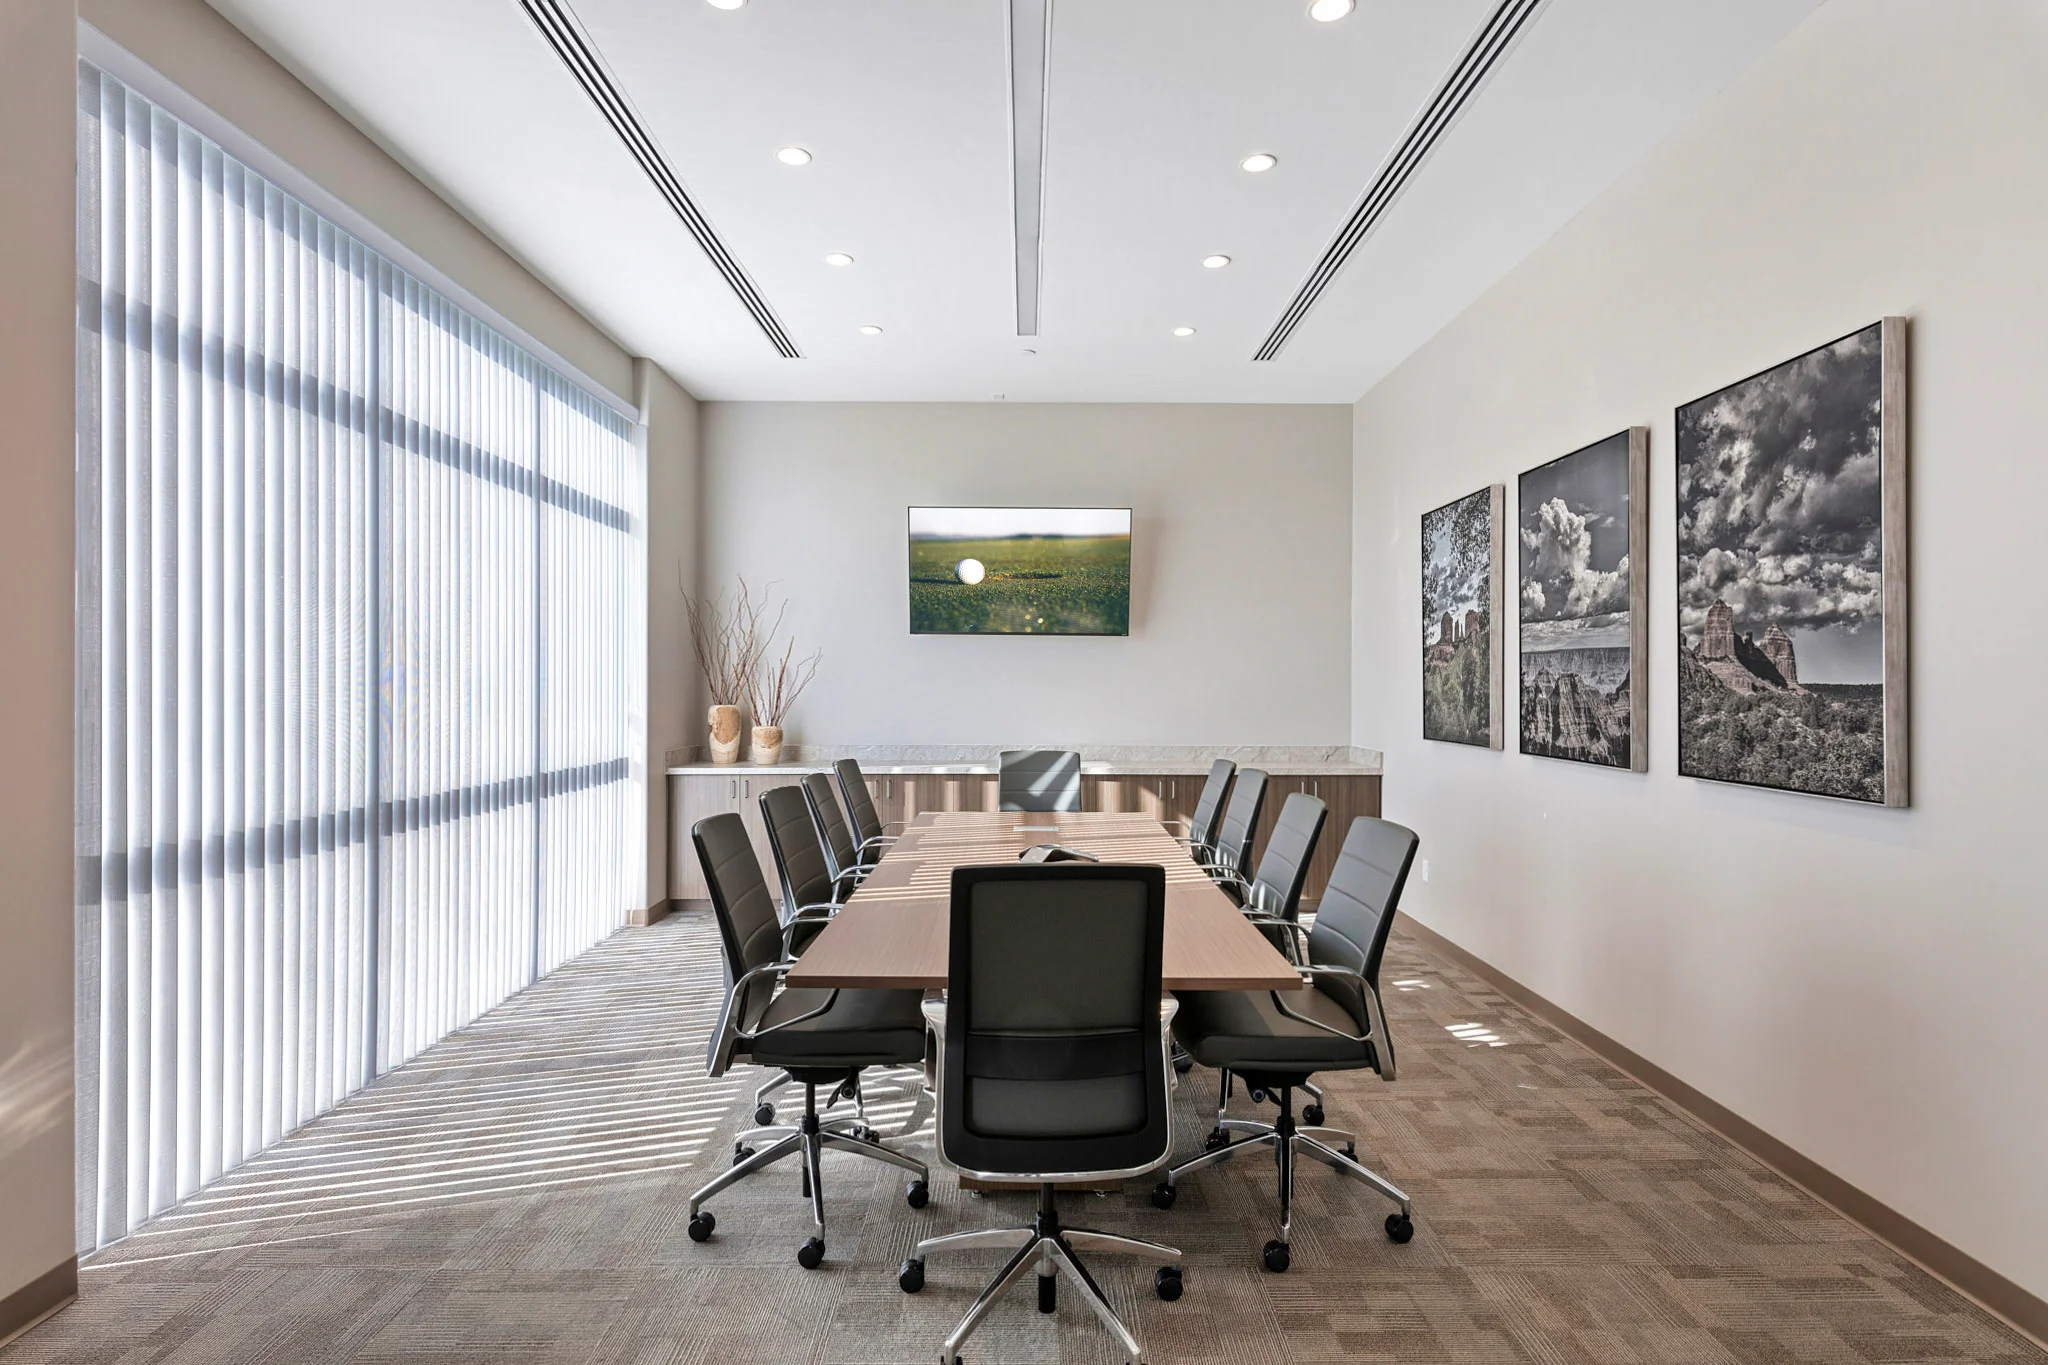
39 113
1240 595
1864 984
674 705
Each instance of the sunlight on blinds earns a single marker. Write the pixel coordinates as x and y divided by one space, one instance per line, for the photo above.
361 663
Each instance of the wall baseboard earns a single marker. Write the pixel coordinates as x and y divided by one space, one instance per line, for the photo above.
2023 1311
38 1299
653 914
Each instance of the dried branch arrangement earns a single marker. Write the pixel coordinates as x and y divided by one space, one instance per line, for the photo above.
770 685
725 652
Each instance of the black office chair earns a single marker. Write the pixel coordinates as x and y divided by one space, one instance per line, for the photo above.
1052 1063
808 901
1201 827
842 856
819 1037
1275 1040
868 828
1231 850
1038 780
1273 893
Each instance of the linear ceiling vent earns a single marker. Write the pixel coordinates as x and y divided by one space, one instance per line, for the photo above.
1460 84
557 23
1030 39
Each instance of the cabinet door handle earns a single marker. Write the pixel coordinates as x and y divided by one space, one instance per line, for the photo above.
732 789
746 786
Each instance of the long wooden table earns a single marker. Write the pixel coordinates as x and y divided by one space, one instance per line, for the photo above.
892 932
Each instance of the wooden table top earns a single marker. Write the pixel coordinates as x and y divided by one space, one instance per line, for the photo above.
892 933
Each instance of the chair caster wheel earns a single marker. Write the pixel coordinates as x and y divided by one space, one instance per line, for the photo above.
1217 1138
1400 1226
910 1275
764 1115
1312 1115
811 1254
1351 1151
918 1195
701 1225
740 1152
1276 1257
1183 1064
1166 1282
1048 1293
1163 1195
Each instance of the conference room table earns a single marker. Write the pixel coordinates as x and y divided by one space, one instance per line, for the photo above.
892 932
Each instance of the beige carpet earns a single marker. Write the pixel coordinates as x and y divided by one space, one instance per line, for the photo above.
517 1194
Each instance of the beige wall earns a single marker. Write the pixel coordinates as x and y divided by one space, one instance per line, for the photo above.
1863 984
215 63
39 116
1240 594
674 705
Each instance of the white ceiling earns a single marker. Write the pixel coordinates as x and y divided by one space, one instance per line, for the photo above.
1152 104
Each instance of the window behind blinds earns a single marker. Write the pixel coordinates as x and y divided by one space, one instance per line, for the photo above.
360 662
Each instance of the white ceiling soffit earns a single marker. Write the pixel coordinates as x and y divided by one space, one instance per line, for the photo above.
1148 108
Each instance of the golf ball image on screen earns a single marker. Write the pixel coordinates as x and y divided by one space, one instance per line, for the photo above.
969 571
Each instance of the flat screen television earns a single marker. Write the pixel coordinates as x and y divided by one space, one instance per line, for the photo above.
1020 571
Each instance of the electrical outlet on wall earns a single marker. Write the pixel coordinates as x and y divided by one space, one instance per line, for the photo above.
1425 869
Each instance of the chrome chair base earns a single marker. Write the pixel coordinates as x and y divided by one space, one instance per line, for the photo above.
810 1139
1052 1251
1289 1141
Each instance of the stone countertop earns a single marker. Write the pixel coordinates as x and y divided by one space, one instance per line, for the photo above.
1367 765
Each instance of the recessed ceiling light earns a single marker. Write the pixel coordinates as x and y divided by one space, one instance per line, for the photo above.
871 330
1183 331
1215 262
838 258
1330 11
725 4
793 156
1260 161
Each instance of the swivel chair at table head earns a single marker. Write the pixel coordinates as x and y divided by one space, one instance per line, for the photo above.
1275 1040
820 1037
1052 1063
1038 780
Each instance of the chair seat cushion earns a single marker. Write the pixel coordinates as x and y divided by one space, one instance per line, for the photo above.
1241 1029
862 1028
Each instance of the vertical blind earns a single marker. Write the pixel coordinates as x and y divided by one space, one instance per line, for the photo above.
360 663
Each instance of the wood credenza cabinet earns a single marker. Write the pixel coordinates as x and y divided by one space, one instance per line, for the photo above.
1162 796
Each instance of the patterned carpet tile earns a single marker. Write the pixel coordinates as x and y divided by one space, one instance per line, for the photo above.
519 1194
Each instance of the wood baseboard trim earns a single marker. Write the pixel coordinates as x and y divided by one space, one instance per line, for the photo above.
38 1299
2021 1310
653 914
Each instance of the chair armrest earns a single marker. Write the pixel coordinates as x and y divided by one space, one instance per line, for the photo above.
1297 936
1375 1014
878 839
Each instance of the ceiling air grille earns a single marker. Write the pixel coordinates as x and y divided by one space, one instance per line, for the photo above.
557 24
1460 84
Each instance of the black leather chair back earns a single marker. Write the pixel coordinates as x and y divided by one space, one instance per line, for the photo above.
747 924
1357 908
841 856
793 840
1055 1058
860 804
1240 823
1209 810
1039 780
1283 867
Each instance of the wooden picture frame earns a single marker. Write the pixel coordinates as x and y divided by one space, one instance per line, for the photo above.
1583 604
1783 480
1463 567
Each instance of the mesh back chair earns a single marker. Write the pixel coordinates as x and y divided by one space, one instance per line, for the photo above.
1231 850
842 855
819 1037
1201 826
1276 1040
1038 780
874 837
1052 1064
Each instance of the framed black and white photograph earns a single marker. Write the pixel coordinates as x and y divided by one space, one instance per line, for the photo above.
1792 574
1461 589
1583 604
